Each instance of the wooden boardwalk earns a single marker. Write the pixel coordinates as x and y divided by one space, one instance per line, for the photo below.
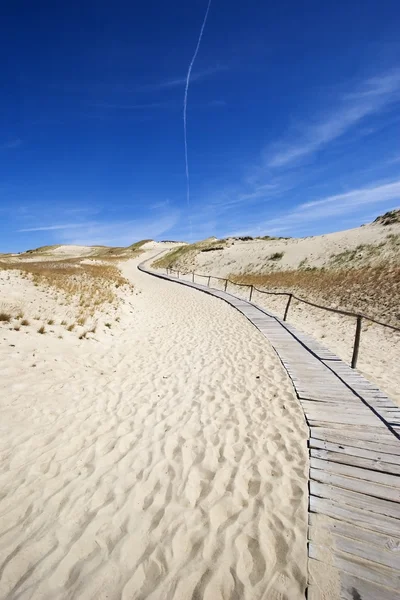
354 445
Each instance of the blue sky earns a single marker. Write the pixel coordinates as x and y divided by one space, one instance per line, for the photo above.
293 119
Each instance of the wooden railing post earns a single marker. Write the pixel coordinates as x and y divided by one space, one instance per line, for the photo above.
251 293
208 282
356 343
178 274
287 307
193 276
226 284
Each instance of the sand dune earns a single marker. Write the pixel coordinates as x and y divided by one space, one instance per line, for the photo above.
374 246
164 460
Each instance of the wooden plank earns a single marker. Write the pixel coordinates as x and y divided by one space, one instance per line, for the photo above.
382 442
328 412
354 588
364 487
391 481
370 504
364 463
352 514
378 428
377 574
339 420
332 406
367 551
383 541
354 451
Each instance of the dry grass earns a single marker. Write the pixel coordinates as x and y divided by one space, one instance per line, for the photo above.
374 291
5 317
42 330
389 218
173 258
178 257
25 323
276 256
85 286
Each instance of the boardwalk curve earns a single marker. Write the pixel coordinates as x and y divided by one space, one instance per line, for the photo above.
354 447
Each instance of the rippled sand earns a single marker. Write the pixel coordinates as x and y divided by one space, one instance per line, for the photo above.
166 462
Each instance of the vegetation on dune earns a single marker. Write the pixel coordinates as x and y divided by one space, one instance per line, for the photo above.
138 245
42 249
100 252
170 259
87 286
180 255
359 255
212 249
373 290
276 256
389 218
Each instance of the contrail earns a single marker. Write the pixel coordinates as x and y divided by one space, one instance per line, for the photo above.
184 113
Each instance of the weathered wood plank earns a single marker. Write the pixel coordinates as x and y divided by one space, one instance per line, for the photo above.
367 551
377 574
354 451
378 428
338 509
354 588
382 541
350 472
339 420
363 487
372 504
382 442
364 463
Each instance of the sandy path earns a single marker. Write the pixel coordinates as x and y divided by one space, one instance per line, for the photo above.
166 462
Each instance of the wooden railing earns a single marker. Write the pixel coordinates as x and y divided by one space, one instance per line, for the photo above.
358 316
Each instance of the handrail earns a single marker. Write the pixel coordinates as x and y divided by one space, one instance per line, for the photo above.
291 296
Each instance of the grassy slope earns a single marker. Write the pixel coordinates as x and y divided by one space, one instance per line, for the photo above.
183 256
363 278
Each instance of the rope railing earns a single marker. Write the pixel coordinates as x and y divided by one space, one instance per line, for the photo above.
291 296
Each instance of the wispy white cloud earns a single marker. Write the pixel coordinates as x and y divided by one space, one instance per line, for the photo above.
352 202
372 96
123 233
356 198
118 233
12 144
53 227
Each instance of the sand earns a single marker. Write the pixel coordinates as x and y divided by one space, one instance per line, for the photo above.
380 347
243 257
165 458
